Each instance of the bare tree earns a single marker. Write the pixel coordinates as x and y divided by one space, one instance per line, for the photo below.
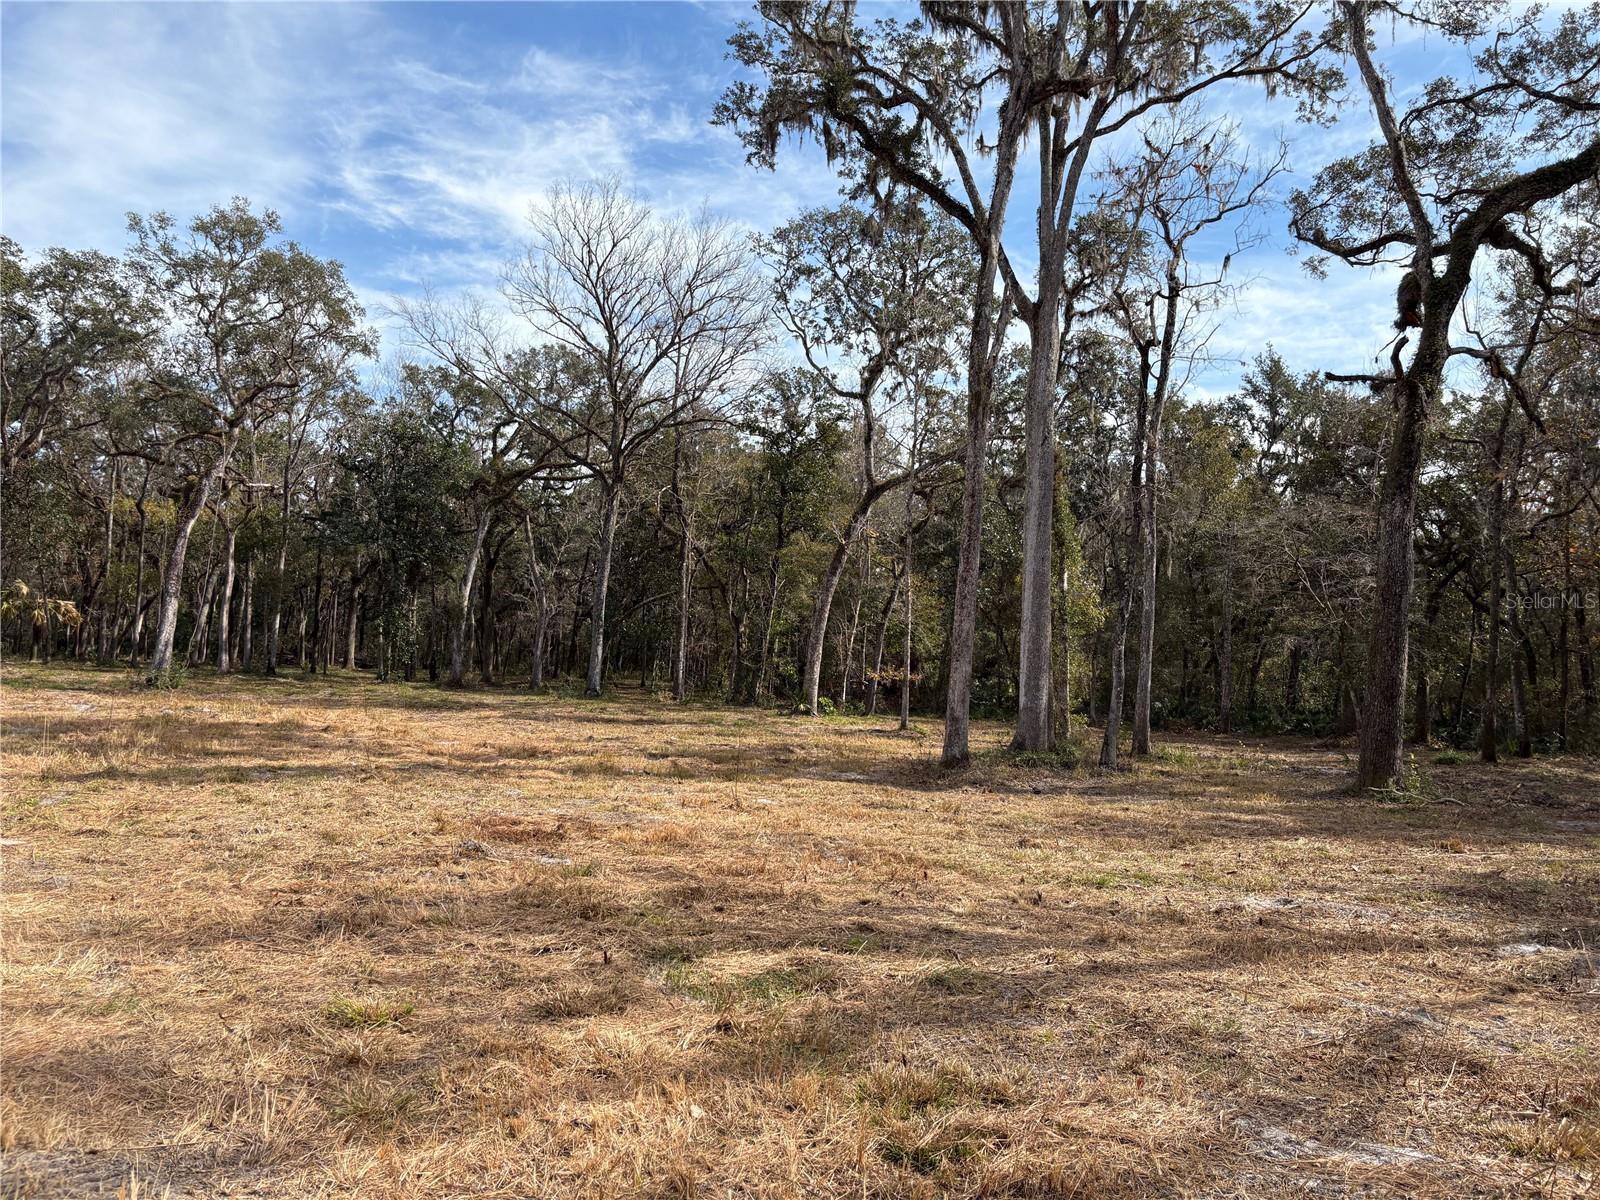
647 325
1189 178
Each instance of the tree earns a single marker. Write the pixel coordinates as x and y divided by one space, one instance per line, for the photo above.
868 297
656 324
66 322
1448 180
897 100
248 324
1190 178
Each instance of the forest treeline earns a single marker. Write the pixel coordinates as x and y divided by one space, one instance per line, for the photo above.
864 461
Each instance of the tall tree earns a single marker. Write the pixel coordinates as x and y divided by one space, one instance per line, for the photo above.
248 323
1450 178
868 297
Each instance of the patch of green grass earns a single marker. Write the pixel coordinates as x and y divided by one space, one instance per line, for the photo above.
1064 757
958 979
903 1092
1174 756
763 989
372 1106
366 1014
928 1156
1449 758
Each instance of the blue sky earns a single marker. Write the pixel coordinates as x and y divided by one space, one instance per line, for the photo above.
407 140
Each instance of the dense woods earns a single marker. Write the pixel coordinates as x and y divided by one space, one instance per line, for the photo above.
865 461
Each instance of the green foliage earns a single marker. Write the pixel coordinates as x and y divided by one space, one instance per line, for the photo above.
366 1014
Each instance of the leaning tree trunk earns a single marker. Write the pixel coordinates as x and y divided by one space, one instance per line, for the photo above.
609 502
172 577
811 678
458 636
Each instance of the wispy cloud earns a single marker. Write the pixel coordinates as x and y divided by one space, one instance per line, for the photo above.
409 141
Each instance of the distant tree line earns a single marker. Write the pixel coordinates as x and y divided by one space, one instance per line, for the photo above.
859 462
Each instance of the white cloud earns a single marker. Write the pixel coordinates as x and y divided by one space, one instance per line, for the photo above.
415 159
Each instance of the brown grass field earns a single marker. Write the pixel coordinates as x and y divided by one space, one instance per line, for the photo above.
338 938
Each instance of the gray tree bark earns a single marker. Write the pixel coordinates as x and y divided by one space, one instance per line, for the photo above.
611 498
224 661
458 635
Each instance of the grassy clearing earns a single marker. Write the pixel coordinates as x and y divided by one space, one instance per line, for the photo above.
332 938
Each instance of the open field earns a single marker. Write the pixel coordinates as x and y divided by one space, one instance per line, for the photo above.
336 938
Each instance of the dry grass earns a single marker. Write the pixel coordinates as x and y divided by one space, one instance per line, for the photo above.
333 938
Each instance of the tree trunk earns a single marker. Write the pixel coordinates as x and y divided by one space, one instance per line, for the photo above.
1519 681
1225 657
774 578
354 626
874 683
1466 674
611 498
311 659
269 664
541 618
905 661
855 627
1035 730
1291 686
969 561
248 619
680 645
1586 672
1381 743
136 622
198 641
811 678
486 624
458 635
1563 637
172 577
107 617
224 661
1422 717
1118 664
